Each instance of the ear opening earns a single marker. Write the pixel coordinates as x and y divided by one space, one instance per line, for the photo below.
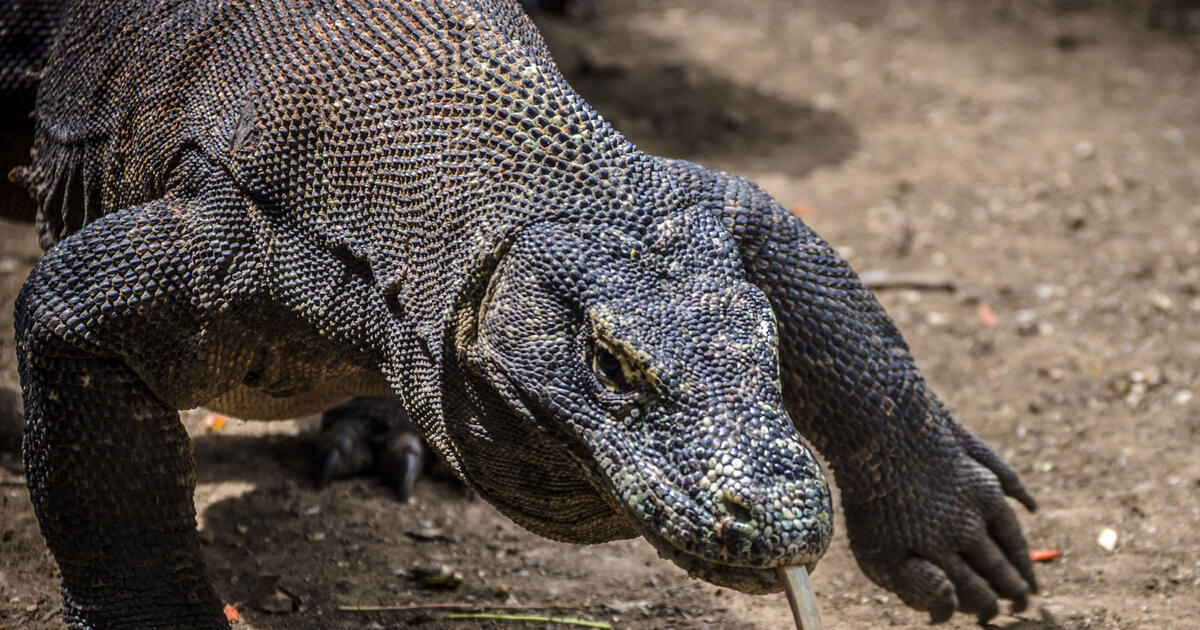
477 294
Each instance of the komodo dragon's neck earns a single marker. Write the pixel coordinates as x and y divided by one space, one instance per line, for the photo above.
425 146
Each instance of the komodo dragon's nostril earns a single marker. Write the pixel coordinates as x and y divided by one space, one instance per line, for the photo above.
736 529
737 509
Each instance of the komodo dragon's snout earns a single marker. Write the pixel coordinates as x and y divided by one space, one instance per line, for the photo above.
651 354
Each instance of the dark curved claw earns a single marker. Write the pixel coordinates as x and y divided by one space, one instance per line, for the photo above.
328 465
1009 482
370 433
343 448
401 461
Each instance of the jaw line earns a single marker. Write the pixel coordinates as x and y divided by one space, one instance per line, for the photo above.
744 578
755 580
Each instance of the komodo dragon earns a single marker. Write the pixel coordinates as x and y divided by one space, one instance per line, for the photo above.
269 206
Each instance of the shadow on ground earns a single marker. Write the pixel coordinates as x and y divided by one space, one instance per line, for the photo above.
670 107
288 556
223 457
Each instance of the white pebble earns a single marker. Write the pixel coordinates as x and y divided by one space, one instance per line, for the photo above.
1107 539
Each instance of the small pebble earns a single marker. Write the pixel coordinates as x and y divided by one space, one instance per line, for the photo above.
937 319
277 603
439 576
1026 322
1107 539
1162 302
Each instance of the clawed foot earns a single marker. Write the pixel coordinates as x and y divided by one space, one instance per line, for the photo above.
370 434
947 540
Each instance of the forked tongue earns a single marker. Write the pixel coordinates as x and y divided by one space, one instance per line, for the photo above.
801 598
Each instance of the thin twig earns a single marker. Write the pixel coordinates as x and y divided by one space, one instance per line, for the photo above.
566 621
883 279
457 606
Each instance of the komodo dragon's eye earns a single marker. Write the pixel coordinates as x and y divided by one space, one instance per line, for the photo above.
609 370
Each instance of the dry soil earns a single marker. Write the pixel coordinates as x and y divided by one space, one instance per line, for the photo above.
1042 156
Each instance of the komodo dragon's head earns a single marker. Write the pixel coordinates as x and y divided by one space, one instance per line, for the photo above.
644 350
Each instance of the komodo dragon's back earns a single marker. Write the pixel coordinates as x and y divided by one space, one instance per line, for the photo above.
131 87
98 99
343 116
270 204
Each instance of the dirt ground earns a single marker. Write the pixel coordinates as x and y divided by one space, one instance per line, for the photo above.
1042 156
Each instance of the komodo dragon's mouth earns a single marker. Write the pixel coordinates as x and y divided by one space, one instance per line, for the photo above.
741 577
807 543
753 580
747 579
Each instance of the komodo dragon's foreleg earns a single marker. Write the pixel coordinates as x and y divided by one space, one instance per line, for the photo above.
117 327
924 499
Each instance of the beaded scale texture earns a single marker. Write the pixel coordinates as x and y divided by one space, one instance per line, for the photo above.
267 208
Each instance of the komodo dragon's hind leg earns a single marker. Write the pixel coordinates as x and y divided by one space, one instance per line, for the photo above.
371 433
119 326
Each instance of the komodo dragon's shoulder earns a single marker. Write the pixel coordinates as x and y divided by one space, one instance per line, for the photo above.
111 122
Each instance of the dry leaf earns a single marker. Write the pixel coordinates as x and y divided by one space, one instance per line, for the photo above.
987 316
214 422
801 210
1044 555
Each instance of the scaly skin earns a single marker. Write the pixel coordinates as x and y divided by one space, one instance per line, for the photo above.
924 498
267 207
